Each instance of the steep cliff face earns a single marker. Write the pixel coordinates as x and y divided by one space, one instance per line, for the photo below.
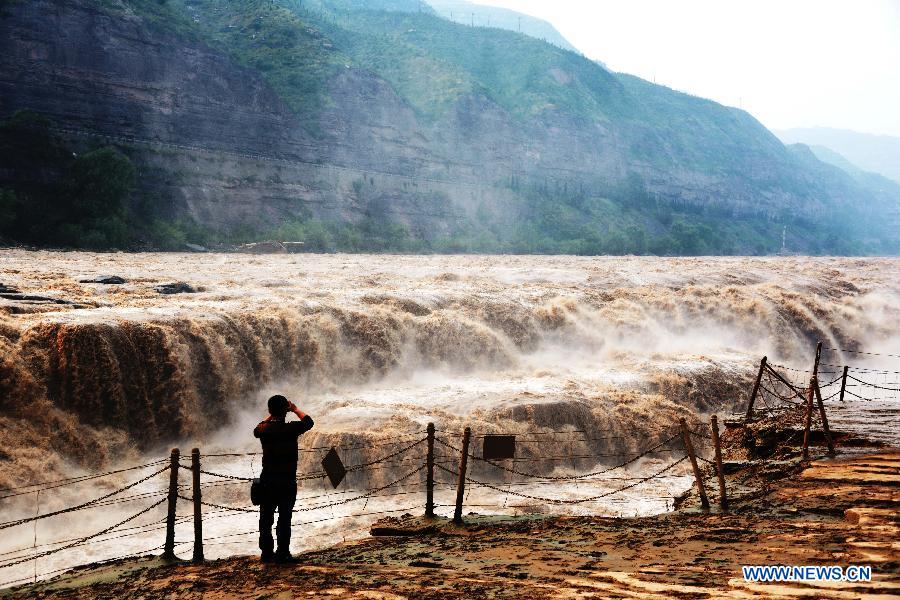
230 145
86 69
123 77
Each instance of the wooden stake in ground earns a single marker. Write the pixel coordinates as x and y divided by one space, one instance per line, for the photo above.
762 368
689 447
429 474
198 509
825 428
815 372
169 547
809 406
714 426
844 382
461 482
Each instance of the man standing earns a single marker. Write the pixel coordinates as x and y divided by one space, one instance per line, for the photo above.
279 476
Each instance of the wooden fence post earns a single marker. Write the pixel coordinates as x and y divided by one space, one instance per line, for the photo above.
844 382
429 474
689 447
809 405
815 372
762 368
461 482
198 509
714 426
825 428
174 467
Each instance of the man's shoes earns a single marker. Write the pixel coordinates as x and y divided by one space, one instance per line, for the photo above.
285 559
267 557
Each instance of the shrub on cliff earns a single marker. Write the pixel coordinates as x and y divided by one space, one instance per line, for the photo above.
59 198
9 210
98 184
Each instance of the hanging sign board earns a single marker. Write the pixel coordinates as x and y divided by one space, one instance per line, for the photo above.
497 447
334 467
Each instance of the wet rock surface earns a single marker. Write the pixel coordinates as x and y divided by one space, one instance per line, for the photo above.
175 288
105 280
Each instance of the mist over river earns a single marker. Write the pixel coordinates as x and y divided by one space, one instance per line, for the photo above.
586 359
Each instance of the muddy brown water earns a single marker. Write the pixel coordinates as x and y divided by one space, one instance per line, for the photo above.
587 360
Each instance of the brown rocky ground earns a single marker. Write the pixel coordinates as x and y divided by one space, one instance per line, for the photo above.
840 511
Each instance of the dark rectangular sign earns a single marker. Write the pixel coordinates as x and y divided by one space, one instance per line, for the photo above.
334 467
497 447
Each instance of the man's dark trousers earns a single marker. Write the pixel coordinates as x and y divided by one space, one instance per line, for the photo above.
280 494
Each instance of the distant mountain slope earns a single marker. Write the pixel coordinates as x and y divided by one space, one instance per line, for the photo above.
461 11
351 128
827 155
875 153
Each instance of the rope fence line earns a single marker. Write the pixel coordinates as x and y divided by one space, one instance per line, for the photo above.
445 463
368 494
560 477
398 439
397 487
769 392
869 384
83 540
568 501
862 352
50 485
317 474
862 369
14 523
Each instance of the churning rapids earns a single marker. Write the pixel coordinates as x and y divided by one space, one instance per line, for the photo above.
587 360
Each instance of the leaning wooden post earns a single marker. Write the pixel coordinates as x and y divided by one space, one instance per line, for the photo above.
198 512
762 368
461 482
815 372
714 426
169 547
809 405
429 474
689 447
844 382
825 428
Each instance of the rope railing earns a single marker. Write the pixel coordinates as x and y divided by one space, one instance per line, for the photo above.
398 439
403 486
863 369
51 485
568 501
84 505
82 540
777 392
318 474
873 385
849 351
638 456
369 494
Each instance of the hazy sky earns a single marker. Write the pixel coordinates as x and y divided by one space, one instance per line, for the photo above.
791 63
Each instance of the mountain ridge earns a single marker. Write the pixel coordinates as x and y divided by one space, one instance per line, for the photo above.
493 16
445 137
869 152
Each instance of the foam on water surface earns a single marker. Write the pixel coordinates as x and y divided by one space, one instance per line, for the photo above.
375 347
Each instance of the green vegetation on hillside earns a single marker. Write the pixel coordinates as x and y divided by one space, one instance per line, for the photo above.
64 200
87 201
62 195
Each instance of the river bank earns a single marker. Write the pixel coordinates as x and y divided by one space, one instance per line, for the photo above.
840 511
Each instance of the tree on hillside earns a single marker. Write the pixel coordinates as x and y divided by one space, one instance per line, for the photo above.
98 184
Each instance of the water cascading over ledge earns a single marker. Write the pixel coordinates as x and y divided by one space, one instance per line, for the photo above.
606 345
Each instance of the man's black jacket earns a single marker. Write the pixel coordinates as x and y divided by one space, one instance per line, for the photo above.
279 445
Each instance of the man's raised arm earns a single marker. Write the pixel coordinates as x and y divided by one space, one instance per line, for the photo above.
306 422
